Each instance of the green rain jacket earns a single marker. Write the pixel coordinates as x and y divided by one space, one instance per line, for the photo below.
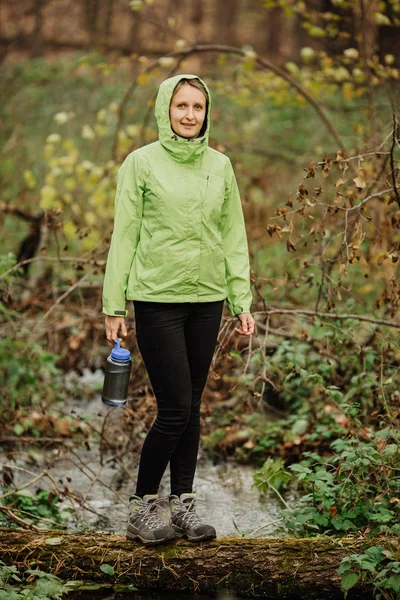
179 232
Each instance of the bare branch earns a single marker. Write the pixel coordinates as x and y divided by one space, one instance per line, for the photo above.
61 298
7 511
394 169
313 313
88 261
222 49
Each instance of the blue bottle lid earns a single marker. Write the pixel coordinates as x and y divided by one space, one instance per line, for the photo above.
120 353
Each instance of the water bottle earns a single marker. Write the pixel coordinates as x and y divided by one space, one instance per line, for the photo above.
116 380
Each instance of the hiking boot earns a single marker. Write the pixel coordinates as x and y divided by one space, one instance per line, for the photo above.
144 523
186 522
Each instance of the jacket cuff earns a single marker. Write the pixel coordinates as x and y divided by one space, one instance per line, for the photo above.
118 312
237 309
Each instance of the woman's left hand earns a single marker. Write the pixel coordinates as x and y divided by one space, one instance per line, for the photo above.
247 324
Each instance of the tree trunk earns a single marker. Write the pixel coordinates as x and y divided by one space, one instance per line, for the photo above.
36 36
225 22
272 567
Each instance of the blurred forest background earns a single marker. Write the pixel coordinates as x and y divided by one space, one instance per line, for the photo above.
306 99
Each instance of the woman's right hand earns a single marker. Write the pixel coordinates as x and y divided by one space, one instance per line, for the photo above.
113 324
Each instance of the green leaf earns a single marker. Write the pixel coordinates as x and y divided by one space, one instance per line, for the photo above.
297 468
375 554
320 520
348 580
367 565
345 566
9 595
18 429
124 589
107 569
83 585
394 582
300 427
53 541
337 522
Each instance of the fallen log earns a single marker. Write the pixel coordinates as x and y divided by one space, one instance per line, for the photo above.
295 568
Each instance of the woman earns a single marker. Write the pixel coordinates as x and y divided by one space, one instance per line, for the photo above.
178 250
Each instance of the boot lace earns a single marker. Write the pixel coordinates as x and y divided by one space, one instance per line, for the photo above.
188 512
148 513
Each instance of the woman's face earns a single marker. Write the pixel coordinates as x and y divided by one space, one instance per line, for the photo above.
187 111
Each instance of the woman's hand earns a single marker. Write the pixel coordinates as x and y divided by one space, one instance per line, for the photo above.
113 324
247 324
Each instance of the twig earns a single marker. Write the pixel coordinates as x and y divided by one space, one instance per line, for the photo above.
222 49
246 366
25 512
80 467
393 168
343 316
265 525
291 336
31 438
89 261
61 298
263 62
18 520
21 487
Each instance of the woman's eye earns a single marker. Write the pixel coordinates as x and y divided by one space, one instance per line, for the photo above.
197 106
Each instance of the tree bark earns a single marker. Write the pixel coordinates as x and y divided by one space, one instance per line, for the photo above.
225 22
291 568
36 36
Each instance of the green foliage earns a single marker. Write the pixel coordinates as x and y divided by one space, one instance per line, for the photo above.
41 508
33 585
28 374
272 475
318 397
353 484
6 262
377 566
107 569
355 489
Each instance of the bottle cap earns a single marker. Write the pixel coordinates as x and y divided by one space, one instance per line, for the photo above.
120 353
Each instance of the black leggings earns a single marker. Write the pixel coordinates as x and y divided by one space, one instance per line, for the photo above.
177 342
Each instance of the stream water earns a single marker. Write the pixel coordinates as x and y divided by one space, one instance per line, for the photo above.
232 504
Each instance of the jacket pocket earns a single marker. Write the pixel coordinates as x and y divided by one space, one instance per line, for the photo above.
150 246
219 253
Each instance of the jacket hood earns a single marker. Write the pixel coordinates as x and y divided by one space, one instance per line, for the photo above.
182 149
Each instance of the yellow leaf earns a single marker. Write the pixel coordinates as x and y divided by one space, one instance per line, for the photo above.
69 229
30 179
381 19
347 91
47 196
101 115
166 61
143 79
67 197
70 184
359 181
91 240
48 150
76 209
365 289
